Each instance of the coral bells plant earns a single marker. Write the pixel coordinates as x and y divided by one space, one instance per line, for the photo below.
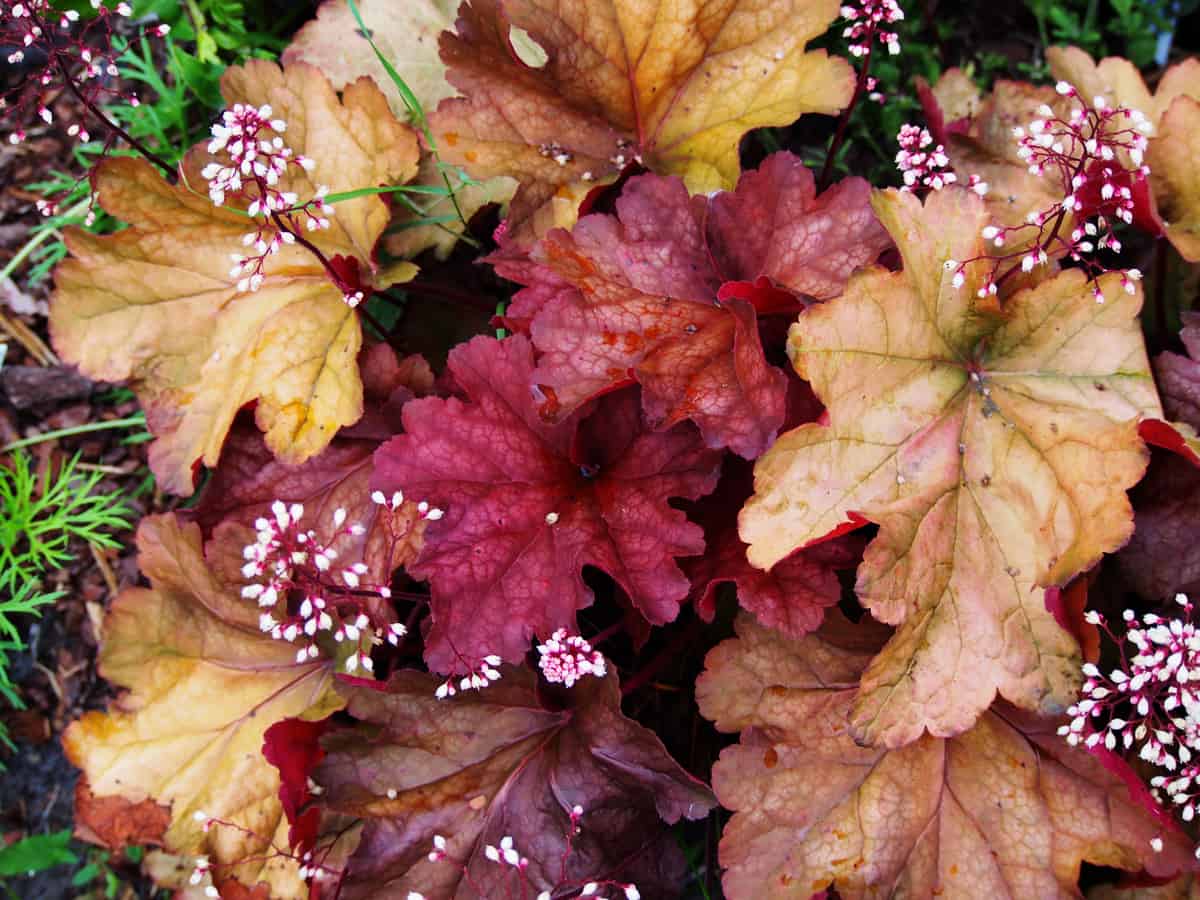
1094 158
1147 705
71 53
678 483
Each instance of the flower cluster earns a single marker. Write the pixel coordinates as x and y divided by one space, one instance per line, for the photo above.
304 596
922 167
1095 157
506 855
80 57
869 20
564 659
1151 703
477 679
257 159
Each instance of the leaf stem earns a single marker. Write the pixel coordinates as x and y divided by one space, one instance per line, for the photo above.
681 640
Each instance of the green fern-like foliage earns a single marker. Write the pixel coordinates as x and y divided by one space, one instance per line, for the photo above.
39 515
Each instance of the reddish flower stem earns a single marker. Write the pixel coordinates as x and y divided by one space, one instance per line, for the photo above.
168 170
668 653
860 87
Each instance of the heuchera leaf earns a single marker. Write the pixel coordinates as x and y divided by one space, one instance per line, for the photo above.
406 33
793 595
485 765
1163 558
1176 192
671 87
249 480
155 303
528 504
1172 160
646 294
984 145
1005 809
203 684
993 446
293 746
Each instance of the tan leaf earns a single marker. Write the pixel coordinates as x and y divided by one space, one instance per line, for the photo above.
674 86
156 304
1005 810
406 33
1120 83
993 446
203 684
989 150
1172 159
1173 143
1185 887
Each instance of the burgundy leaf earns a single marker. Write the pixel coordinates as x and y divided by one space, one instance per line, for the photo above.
646 294
483 766
1179 376
793 595
293 747
527 504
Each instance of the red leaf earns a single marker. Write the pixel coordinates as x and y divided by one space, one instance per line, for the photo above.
1165 435
293 747
527 504
116 822
648 290
496 764
1068 605
793 595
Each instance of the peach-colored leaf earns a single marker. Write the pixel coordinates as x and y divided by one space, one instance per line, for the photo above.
1173 111
993 446
1003 810
156 304
406 33
672 86
1172 159
203 684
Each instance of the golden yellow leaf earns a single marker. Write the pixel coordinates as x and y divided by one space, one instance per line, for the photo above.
671 85
204 684
156 303
993 446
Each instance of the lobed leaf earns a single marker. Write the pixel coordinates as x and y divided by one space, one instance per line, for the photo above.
673 87
528 504
1004 809
204 684
503 763
992 445
156 304
667 292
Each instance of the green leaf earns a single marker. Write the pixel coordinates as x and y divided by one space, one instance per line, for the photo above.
36 853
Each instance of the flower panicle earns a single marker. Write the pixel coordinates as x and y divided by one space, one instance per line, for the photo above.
1095 155
306 597
1149 703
